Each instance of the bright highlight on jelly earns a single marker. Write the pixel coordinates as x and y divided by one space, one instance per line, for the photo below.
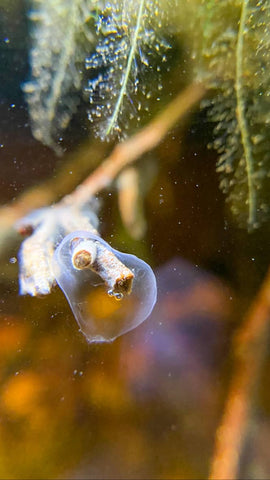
110 292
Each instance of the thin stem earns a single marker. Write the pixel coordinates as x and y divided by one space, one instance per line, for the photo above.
127 152
241 115
250 349
127 70
123 154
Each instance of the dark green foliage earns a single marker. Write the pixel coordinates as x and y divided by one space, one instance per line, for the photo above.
61 37
232 53
230 42
129 44
115 42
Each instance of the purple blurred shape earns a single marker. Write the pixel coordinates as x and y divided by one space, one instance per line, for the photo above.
179 349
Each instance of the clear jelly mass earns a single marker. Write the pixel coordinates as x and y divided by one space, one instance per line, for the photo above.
101 314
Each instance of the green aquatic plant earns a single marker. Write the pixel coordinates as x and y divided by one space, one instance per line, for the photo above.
105 49
128 44
61 37
232 56
111 42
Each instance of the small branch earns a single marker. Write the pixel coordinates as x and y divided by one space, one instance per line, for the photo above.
48 226
91 254
127 152
250 349
74 169
122 155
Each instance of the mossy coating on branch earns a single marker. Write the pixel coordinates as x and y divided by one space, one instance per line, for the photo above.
230 41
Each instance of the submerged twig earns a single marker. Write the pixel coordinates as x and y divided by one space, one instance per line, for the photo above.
127 152
122 155
250 348
91 254
48 226
68 176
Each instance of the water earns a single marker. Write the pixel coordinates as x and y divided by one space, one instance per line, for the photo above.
148 404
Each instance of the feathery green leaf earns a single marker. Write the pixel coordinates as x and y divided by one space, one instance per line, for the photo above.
128 45
61 37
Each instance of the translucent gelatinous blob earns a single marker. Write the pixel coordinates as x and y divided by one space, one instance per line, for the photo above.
109 292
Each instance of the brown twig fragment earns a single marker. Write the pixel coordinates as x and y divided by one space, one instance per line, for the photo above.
76 166
91 254
36 275
130 202
47 226
250 348
123 154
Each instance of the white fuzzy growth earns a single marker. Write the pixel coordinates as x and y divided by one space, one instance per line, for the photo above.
241 107
50 225
129 43
60 38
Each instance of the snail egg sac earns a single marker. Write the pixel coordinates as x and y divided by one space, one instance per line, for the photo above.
109 292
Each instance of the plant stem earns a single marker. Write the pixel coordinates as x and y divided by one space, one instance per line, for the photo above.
250 348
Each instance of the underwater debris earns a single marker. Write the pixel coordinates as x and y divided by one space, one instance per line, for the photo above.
112 295
109 292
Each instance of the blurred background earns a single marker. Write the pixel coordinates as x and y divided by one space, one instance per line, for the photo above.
147 405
